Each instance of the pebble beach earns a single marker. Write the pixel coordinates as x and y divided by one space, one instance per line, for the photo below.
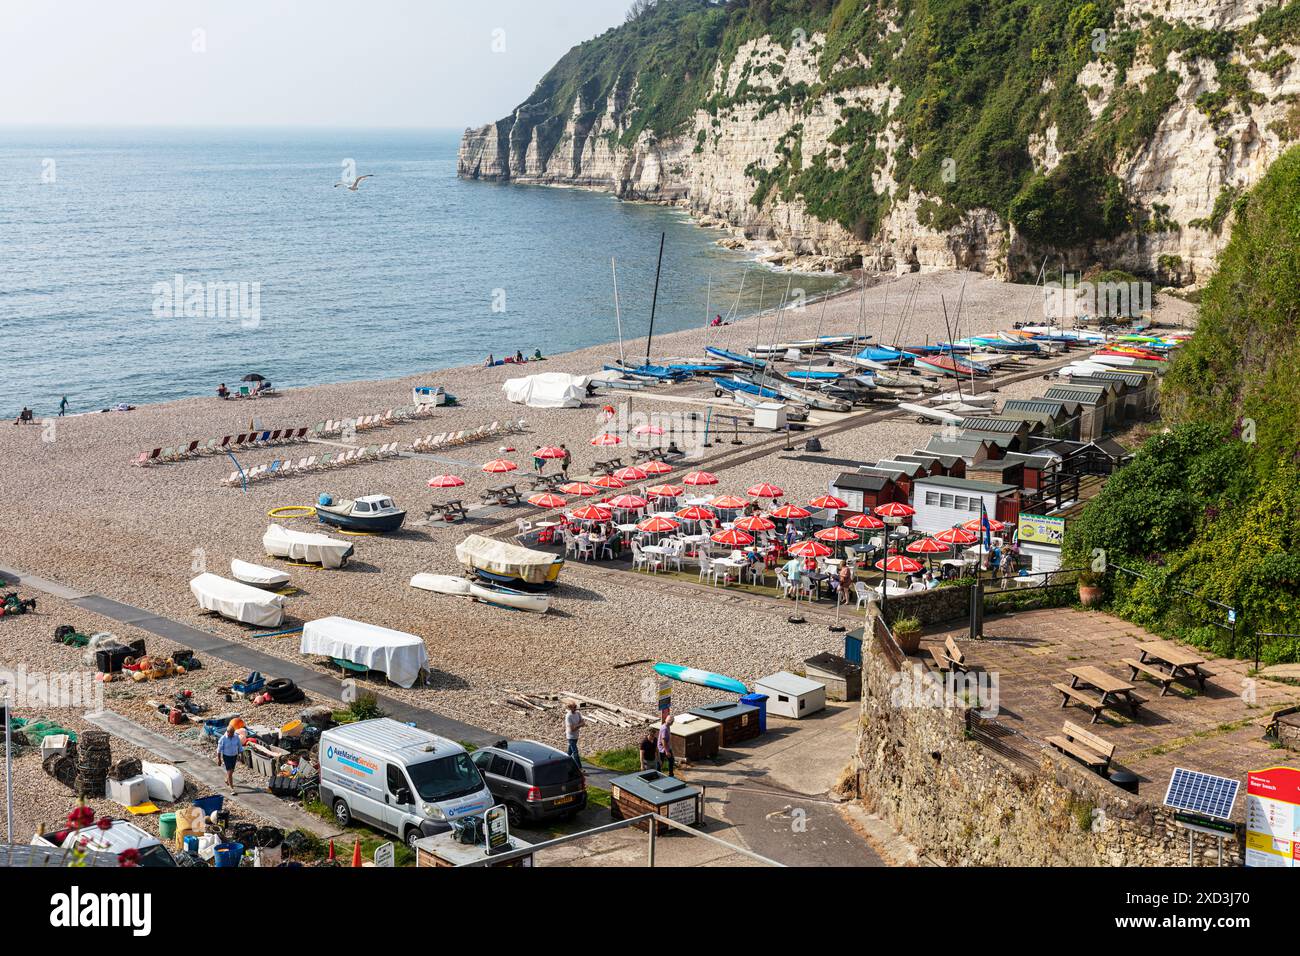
83 516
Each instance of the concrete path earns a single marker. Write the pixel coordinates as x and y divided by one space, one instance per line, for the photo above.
775 793
198 767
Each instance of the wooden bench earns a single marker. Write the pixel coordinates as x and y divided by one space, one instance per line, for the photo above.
1096 704
949 657
451 511
1161 677
1085 747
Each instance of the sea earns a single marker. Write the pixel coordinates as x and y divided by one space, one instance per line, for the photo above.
146 265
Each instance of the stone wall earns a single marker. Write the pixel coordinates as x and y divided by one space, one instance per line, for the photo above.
965 796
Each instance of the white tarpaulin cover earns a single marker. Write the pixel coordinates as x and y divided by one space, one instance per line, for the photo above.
303 546
257 576
400 656
551 390
509 560
238 602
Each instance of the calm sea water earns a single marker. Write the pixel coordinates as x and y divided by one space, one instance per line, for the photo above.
416 271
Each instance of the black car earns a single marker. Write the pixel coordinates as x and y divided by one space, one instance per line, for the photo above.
534 782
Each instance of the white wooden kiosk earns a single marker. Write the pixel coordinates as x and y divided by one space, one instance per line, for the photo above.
792 696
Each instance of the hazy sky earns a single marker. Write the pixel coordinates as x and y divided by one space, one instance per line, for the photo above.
283 62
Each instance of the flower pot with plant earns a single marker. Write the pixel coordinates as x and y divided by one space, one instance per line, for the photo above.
1090 593
907 632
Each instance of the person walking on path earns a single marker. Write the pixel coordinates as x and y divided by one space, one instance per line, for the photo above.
573 724
665 744
63 406
649 747
229 747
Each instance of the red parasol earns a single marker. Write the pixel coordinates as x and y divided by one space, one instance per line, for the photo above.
733 539
810 549
547 500
895 511
631 474
658 526
656 468
648 430
835 535
447 481
500 467
765 491
928 546
609 481
957 536
593 513
756 523
829 503
864 523
728 503
628 503
791 513
697 478
552 454
580 488
994 525
666 491
900 565
605 441
696 514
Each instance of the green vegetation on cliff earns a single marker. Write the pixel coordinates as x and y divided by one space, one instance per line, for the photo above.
972 83
1213 506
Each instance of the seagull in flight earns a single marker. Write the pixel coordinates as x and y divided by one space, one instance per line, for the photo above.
355 185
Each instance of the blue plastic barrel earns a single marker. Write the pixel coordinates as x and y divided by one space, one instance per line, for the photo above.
759 701
210 805
228 854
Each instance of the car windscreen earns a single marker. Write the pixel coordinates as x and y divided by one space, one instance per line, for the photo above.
445 778
156 856
555 773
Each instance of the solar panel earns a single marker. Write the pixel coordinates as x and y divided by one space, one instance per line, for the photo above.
1202 793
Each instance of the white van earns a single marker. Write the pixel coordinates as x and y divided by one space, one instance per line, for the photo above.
399 779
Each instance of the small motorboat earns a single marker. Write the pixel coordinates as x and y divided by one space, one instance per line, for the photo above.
485 592
375 514
266 578
442 584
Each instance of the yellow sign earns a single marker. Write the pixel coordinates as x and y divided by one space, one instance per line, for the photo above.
1038 530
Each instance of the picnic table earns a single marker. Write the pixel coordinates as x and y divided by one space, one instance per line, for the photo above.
1113 690
546 482
503 495
1180 663
449 511
610 465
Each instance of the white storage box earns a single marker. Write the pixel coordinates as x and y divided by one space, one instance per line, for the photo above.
54 744
130 792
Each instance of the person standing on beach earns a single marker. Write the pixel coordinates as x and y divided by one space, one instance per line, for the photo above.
566 461
573 724
649 747
539 463
63 406
665 744
229 747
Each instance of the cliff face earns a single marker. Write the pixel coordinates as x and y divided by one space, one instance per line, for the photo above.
825 150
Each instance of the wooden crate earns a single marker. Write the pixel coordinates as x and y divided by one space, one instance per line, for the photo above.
695 738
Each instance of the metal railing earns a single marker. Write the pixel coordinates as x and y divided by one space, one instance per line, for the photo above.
1227 621
648 819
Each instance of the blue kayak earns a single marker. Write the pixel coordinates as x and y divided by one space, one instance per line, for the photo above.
884 356
749 388
692 675
804 375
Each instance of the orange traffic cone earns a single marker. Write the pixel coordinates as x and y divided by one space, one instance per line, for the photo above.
331 856
356 854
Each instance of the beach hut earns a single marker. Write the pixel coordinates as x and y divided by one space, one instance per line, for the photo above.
792 696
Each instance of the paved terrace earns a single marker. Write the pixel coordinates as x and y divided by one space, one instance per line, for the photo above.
1216 731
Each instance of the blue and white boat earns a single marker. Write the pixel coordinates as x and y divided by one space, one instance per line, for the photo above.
734 358
734 385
